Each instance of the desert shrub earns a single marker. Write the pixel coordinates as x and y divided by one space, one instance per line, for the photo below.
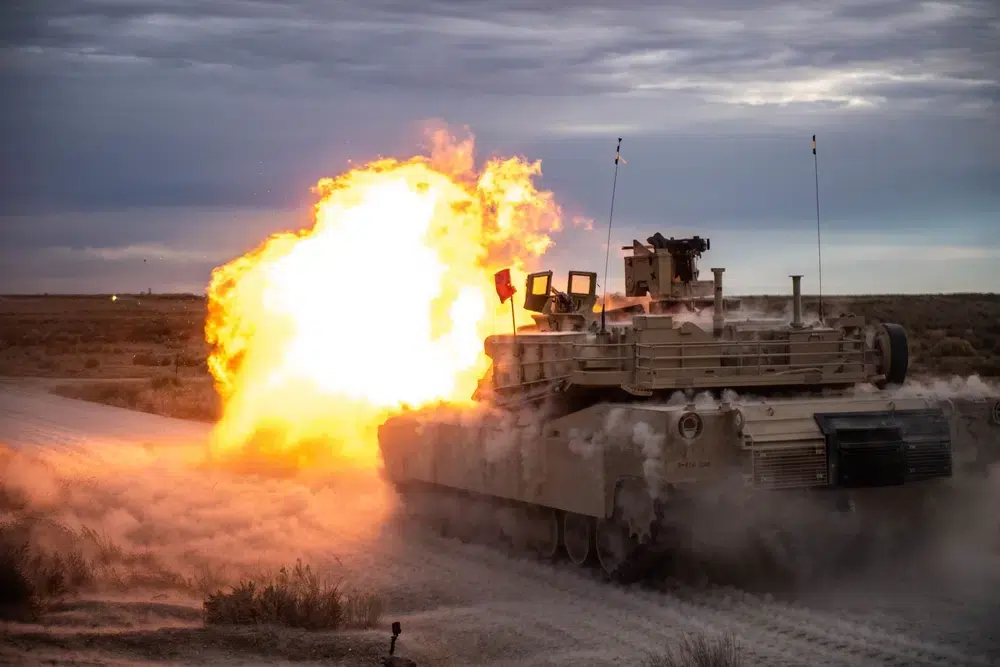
58 349
90 337
32 337
118 394
63 337
958 366
150 331
297 598
145 359
91 363
17 598
48 365
990 367
700 651
165 381
362 610
32 579
166 395
952 346
189 361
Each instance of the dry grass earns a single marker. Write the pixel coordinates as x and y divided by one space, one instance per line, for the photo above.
167 395
31 579
95 337
78 595
42 563
362 610
296 598
700 651
228 645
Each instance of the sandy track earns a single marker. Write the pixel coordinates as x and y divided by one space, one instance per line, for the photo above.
465 604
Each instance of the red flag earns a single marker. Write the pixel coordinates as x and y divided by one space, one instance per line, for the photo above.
505 289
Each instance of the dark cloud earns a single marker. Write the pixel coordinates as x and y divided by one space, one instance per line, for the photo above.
120 116
517 47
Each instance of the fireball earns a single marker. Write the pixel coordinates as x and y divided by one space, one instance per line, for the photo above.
382 303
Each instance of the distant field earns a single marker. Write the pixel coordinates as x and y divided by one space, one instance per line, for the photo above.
87 345
140 352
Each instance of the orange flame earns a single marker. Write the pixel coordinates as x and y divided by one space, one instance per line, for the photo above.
385 301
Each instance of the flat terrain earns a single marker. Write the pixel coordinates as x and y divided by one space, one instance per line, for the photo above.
88 346
95 336
174 526
127 474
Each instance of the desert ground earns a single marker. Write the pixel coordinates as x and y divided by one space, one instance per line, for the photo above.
134 534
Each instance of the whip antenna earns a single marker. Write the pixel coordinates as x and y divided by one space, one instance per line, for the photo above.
819 244
611 215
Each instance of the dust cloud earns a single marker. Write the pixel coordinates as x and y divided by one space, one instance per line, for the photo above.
955 387
156 518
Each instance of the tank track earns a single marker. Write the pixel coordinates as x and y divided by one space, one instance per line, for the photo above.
769 558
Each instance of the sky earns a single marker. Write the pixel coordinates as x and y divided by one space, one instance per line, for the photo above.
145 143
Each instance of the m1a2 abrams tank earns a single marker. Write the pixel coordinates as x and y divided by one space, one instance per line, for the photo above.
620 437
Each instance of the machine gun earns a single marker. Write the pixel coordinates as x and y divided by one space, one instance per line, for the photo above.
666 270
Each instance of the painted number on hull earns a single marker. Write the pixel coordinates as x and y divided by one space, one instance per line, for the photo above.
687 465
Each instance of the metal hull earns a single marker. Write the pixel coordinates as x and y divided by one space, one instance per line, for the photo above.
617 482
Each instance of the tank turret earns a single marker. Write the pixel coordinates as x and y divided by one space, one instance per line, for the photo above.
649 352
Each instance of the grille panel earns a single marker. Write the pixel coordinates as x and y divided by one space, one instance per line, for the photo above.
927 460
794 465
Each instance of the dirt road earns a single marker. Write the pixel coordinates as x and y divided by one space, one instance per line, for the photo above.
463 604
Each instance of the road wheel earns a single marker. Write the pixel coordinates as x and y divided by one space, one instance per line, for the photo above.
578 536
617 550
543 532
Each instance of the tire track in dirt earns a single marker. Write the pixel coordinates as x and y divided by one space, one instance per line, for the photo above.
864 641
553 601
785 626
945 617
550 614
655 620
789 622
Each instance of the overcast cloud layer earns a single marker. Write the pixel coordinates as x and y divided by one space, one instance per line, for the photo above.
146 142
